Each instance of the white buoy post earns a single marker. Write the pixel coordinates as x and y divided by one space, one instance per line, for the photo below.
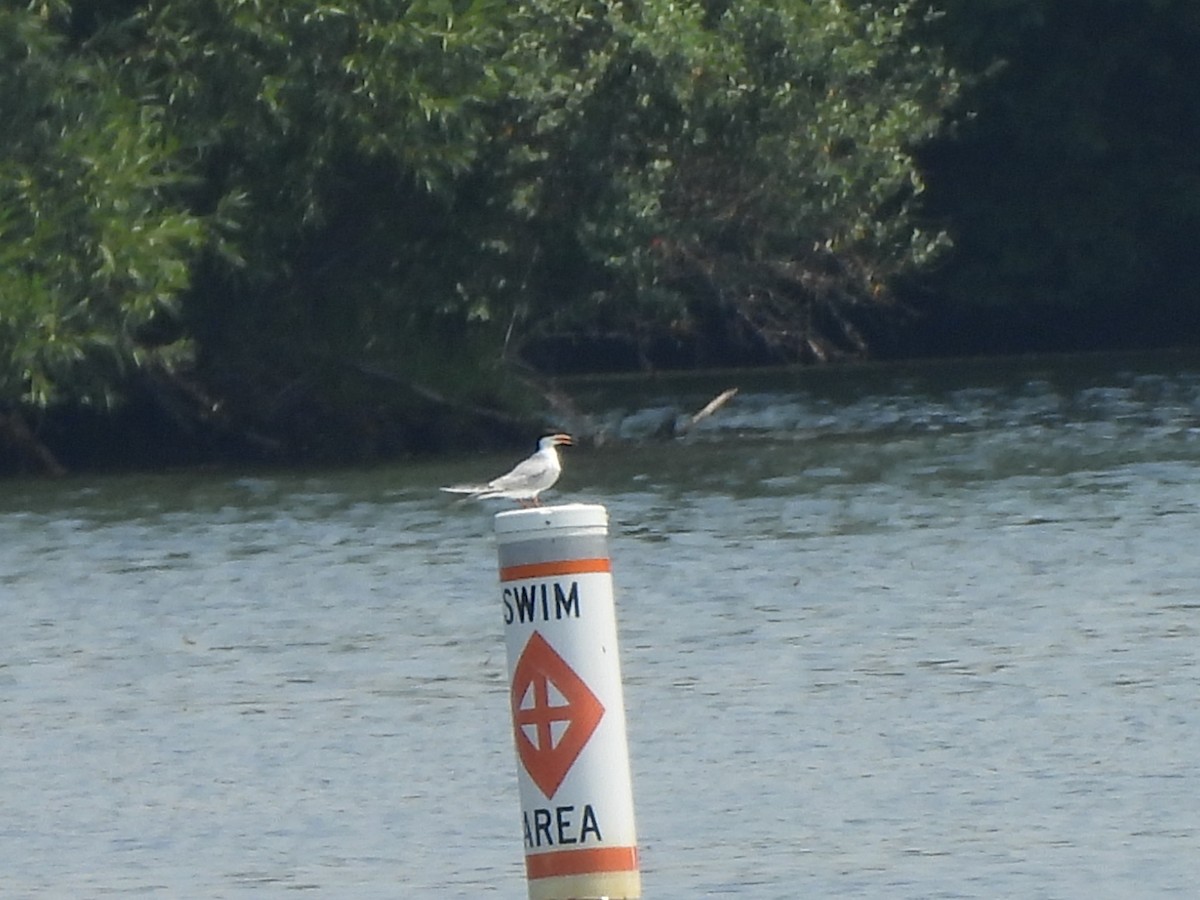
568 706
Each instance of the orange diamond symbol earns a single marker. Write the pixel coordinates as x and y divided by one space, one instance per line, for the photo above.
554 714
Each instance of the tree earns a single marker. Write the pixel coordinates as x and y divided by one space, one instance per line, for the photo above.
739 166
427 190
387 204
94 251
333 145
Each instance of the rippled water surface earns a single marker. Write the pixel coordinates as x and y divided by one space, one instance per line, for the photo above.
920 631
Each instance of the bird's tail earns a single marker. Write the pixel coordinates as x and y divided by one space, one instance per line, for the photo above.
465 489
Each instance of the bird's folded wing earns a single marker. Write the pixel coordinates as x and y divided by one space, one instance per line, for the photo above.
529 472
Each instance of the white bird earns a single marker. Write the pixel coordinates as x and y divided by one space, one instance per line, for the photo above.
528 479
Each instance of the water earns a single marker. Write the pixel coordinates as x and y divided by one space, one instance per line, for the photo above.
920 631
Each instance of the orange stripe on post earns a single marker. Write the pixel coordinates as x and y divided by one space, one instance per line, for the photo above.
581 862
559 567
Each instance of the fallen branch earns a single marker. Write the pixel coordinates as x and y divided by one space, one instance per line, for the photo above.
439 399
675 427
14 427
712 406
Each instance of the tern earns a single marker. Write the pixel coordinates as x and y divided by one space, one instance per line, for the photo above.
527 479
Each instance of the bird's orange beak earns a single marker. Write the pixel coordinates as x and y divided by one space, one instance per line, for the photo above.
560 439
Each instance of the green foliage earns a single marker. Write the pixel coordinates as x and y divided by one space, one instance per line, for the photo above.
331 140
474 172
662 156
810 110
93 254
423 188
794 185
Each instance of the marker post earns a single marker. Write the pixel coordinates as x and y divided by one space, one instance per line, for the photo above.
567 703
